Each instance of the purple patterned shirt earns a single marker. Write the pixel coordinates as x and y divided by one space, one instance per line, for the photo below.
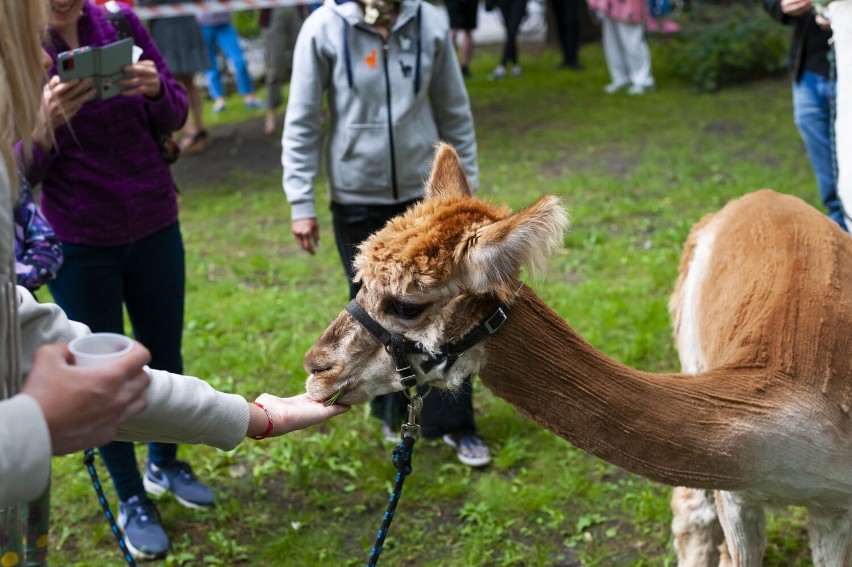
38 255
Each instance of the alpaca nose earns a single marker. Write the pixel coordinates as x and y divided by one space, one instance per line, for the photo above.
315 363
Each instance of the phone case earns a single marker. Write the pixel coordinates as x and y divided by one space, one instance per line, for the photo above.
104 64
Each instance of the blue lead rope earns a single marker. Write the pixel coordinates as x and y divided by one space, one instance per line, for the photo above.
89 461
402 454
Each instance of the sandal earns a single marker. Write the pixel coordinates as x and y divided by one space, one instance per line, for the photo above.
195 143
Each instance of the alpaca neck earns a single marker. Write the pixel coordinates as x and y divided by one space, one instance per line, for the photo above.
676 429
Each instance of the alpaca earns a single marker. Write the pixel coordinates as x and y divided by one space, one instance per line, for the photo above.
762 319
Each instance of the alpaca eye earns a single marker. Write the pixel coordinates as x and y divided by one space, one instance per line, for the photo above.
405 310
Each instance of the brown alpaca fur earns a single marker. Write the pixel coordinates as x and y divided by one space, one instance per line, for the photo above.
762 313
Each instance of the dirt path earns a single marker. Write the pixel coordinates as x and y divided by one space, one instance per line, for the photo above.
236 147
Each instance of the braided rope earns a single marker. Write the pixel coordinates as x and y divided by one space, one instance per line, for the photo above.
402 454
89 461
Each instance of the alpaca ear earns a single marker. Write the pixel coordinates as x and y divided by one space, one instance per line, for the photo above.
448 177
492 257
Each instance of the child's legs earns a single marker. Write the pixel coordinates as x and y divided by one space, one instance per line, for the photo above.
229 43
613 52
214 79
636 54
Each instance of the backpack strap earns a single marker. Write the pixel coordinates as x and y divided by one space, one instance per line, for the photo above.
117 18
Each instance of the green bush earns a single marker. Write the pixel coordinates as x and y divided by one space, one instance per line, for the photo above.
246 23
746 44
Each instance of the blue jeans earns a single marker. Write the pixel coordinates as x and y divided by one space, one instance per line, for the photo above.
813 104
147 277
225 36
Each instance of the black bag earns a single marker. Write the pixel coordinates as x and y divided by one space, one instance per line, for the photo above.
169 148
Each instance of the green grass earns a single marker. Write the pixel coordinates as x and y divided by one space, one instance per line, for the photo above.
636 174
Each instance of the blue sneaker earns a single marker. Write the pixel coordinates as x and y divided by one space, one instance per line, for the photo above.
255 104
180 480
144 536
470 448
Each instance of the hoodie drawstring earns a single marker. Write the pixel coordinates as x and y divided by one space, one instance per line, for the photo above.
419 50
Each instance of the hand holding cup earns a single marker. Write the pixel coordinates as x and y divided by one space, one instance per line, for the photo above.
85 404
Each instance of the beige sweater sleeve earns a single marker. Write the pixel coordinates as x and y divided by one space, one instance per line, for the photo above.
24 450
184 409
181 409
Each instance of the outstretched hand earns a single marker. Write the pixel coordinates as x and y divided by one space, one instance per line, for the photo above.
84 406
298 412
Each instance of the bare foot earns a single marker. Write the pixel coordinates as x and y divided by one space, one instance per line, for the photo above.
269 124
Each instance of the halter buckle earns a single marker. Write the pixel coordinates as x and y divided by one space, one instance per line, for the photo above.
495 321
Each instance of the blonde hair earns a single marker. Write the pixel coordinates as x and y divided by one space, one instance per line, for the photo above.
21 73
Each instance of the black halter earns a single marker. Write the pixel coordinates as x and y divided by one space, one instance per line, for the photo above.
400 347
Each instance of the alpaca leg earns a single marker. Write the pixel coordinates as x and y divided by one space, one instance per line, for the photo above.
831 537
698 534
744 524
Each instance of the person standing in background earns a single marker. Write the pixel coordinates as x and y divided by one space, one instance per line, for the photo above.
463 15
566 14
394 88
185 51
513 12
280 28
628 57
813 93
109 195
219 32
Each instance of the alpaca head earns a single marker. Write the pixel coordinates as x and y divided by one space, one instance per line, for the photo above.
431 274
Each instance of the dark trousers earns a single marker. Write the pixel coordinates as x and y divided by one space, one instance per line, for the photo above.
443 412
147 277
513 14
566 14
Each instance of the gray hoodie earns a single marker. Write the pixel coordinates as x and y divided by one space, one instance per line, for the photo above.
388 103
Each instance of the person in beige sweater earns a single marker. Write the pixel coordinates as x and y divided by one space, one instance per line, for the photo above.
50 407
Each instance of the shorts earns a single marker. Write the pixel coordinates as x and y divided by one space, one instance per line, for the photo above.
462 14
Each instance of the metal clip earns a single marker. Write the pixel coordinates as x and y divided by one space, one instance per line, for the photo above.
411 429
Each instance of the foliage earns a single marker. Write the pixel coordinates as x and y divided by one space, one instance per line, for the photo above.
742 45
636 173
247 23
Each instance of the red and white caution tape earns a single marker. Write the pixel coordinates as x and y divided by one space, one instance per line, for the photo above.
208 6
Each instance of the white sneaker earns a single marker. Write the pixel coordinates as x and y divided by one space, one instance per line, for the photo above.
389 434
614 87
516 71
498 74
636 90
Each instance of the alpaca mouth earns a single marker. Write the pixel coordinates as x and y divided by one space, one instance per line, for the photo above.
333 398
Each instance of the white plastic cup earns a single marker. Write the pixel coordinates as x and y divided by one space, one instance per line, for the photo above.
98 348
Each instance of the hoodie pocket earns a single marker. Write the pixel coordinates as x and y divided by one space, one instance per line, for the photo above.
415 148
365 162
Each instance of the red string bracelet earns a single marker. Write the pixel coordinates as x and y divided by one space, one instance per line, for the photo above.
269 424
